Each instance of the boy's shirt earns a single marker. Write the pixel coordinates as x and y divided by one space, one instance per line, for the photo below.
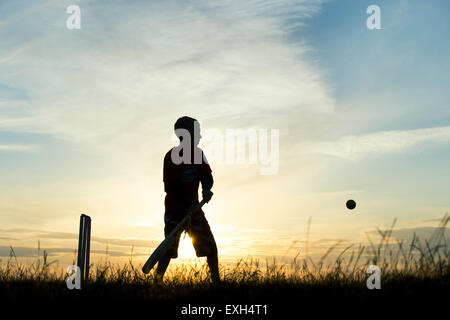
181 183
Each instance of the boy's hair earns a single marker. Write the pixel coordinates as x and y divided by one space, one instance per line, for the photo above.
186 123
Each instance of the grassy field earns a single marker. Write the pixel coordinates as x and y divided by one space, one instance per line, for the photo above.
413 275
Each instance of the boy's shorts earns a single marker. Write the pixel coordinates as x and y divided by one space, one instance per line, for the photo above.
198 230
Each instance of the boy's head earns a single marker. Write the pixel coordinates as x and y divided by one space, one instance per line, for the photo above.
191 125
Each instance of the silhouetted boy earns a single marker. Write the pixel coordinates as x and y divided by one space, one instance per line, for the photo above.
183 172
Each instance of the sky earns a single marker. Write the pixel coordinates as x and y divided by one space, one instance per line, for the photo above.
86 117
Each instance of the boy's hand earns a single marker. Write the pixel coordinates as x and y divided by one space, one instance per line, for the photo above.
207 195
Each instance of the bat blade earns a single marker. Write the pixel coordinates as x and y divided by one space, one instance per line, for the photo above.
162 249
159 252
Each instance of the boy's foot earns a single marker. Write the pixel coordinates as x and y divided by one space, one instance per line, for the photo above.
158 278
215 278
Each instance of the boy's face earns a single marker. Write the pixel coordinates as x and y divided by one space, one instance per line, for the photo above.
195 135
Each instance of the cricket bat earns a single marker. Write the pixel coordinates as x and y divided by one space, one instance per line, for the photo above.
161 250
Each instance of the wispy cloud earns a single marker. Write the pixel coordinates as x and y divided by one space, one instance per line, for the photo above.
17 147
30 252
357 147
259 230
53 235
136 63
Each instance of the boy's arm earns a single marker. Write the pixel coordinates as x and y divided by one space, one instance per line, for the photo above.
206 179
207 182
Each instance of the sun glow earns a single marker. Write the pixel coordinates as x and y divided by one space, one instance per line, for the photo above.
185 248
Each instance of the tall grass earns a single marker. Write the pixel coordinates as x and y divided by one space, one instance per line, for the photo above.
428 259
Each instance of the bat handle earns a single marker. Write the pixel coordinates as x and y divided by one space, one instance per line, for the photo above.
197 207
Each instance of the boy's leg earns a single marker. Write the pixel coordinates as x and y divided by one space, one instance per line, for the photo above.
171 219
163 263
205 244
213 264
